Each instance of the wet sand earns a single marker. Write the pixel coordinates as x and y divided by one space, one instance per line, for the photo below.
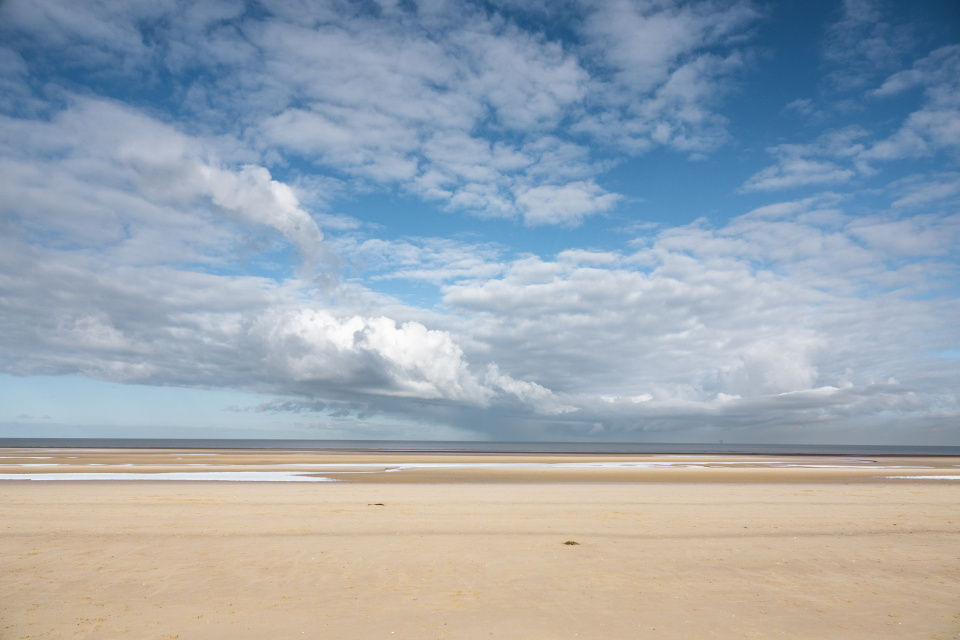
707 546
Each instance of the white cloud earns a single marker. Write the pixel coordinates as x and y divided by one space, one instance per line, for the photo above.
98 32
163 326
250 194
840 155
924 132
758 308
544 400
433 260
863 44
920 235
446 101
645 43
406 110
368 355
814 164
918 191
567 204
768 318
662 81
793 172
120 229
936 125
938 69
134 179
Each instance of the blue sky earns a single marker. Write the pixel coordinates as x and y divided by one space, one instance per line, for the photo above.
619 220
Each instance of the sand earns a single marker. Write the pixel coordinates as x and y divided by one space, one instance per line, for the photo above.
745 550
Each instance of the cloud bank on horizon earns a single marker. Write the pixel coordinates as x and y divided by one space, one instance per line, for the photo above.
621 220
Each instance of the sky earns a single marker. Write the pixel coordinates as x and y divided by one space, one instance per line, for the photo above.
614 220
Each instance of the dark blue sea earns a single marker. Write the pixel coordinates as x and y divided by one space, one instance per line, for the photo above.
428 446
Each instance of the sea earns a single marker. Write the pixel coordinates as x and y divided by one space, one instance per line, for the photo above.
484 447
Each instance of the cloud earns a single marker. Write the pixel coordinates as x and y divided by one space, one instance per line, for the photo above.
789 315
754 309
432 260
371 355
920 235
250 194
190 329
167 169
840 155
793 172
813 164
406 111
137 181
935 70
567 204
863 44
656 69
644 44
465 106
918 191
544 400
935 126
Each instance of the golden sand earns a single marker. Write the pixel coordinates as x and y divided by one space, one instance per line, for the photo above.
736 551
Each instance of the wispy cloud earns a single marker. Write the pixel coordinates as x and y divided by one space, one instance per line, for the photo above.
864 43
935 126
919 191
840 155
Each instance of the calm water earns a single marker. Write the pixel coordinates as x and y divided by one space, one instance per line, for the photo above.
482 447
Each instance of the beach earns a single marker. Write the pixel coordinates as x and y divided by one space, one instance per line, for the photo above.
384 545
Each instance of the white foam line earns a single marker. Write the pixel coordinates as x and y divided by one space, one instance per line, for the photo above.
376 466
26 457
624 465
33 464
923 477
294 476
267 464
842 466
211 476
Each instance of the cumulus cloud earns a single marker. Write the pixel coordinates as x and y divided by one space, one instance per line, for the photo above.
371 355
758 308
187 329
